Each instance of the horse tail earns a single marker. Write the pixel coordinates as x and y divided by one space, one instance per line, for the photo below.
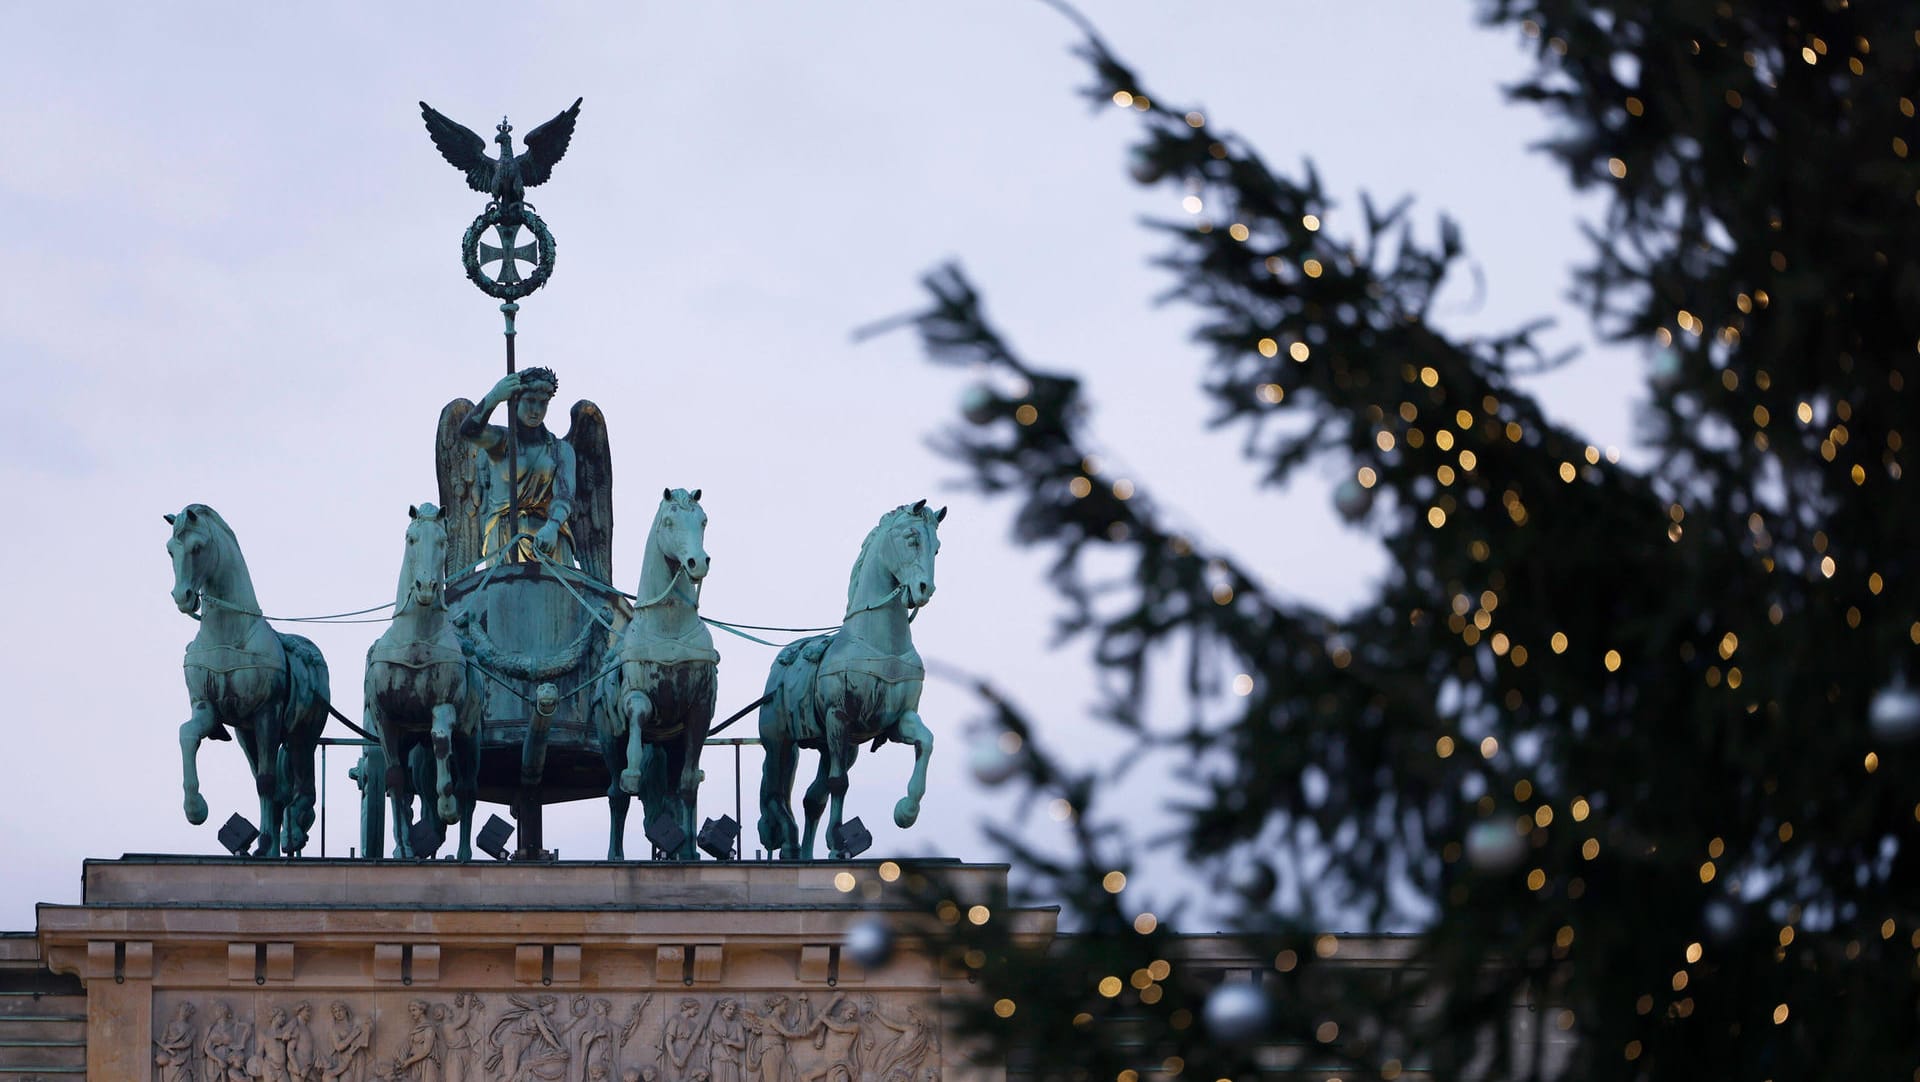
603 695
304 712
787 718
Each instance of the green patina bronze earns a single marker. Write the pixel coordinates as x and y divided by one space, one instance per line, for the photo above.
831 693
654 703
506 178
268 688
424 696
512 670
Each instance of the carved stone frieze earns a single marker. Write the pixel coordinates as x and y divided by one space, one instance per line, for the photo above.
740 1036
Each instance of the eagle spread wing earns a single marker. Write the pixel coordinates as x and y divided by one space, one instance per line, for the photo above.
465 150
546 145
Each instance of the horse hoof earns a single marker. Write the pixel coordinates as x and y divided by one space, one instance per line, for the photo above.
196 809
905 812
630 782
449 810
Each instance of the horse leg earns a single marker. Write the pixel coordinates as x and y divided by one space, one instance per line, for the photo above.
911 730
393 746
837 796
618 803
638 710
466 746
266 780
778 831
420 764
612 752
192 731
680 781
814 803
448 807
299 801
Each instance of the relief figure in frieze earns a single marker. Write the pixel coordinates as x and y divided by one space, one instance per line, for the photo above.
426 1048
302 1053
681 1046
590 1041
224 1038
173 1050
727 1042
833 1055
897 1057
466 1034
350 1047
272 1048
523 1045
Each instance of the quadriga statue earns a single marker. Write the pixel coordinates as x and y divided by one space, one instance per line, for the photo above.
831 693
269 688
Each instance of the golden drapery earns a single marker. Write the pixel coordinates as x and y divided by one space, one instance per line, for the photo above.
538 491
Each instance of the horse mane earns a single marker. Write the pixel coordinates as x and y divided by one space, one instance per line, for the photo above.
201 511
891 517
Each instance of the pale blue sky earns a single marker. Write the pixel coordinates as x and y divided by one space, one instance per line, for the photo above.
234 281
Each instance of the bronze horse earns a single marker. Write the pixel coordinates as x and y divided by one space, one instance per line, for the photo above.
424 696
268 687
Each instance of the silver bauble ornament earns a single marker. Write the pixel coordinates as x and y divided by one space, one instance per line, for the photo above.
979 404
1722 919
869 941
1255 881
1142 166
1494 846
994 757
1352 499
1665 369
1894 714
1236 1013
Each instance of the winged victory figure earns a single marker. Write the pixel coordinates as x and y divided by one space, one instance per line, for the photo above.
566 482
507 177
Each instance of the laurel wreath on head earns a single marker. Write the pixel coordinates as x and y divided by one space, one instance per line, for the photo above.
507 291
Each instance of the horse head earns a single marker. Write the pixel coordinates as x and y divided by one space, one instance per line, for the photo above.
423 569
911 543
195 555
679 534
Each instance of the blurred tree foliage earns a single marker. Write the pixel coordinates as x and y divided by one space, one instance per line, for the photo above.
1632 746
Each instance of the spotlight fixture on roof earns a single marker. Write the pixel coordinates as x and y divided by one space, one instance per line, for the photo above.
666 837
493 837
424 839
237 834
852 838
717 836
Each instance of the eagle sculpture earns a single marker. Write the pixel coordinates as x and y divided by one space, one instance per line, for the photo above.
507 177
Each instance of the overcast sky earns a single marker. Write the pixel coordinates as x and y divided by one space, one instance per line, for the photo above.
233 279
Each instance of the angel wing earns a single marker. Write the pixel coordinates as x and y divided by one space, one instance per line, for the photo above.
465 150
591 520
463 484
546 145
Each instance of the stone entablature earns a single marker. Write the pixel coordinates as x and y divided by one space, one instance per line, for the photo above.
317 971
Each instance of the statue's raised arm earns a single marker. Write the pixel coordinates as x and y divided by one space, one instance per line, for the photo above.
560 489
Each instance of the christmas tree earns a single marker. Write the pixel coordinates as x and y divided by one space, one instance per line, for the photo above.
1631 746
